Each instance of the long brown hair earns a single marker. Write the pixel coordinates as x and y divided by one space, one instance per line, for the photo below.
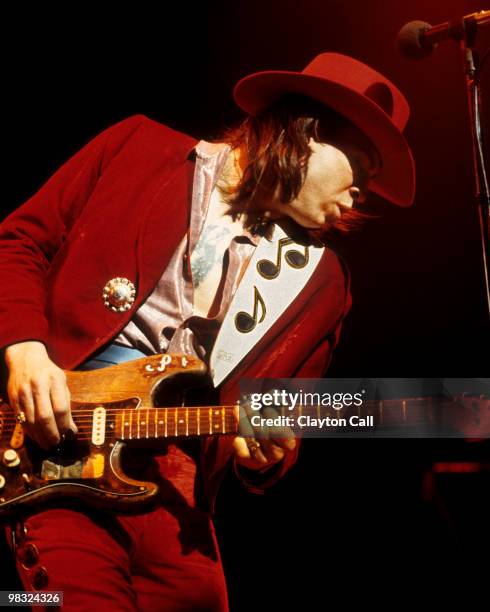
276 149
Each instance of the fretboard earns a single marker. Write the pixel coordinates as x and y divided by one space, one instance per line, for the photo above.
154 423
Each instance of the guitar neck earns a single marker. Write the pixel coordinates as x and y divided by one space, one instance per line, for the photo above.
155 423
120 420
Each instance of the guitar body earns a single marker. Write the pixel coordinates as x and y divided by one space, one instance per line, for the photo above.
112 407
74 469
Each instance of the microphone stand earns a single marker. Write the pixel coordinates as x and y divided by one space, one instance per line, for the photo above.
472 65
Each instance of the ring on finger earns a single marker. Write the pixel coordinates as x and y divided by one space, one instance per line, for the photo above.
21 417
253 445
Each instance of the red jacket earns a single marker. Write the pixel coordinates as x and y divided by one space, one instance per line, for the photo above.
119 207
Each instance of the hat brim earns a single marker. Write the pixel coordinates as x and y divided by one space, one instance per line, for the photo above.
396 180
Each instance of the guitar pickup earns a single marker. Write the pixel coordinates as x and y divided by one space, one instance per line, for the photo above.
98 426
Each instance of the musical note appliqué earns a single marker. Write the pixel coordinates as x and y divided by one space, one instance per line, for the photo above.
277 272
270 270
245 322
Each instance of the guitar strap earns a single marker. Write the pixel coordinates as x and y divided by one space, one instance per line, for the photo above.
277 272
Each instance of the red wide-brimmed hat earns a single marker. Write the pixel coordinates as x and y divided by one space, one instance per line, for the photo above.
363 95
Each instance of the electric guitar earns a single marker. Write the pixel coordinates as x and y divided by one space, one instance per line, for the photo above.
140 403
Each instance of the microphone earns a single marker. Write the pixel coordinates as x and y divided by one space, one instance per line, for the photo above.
417 39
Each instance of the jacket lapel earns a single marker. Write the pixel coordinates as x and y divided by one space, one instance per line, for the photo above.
277 272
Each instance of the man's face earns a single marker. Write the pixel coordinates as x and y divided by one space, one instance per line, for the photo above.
337 177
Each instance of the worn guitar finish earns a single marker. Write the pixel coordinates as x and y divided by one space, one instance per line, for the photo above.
112 407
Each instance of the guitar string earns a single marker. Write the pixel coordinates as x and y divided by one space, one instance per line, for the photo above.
386 404
84 417
180 413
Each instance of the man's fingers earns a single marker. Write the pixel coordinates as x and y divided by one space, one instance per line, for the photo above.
288 443
281 435
252 436
73 426
60 401
244 425
249 458
22 401
37 386
240 447
271 451
46 429
261 443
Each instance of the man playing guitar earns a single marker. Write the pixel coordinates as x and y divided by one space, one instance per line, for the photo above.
147 242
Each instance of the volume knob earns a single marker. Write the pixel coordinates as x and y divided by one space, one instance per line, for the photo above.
11 458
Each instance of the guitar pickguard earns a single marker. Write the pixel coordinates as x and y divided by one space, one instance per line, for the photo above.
90 466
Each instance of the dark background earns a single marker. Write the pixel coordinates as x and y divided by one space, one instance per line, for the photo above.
350 520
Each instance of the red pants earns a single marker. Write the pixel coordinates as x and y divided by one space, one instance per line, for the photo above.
166 559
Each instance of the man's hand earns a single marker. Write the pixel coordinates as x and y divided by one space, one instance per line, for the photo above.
261 447
37 387
266 455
